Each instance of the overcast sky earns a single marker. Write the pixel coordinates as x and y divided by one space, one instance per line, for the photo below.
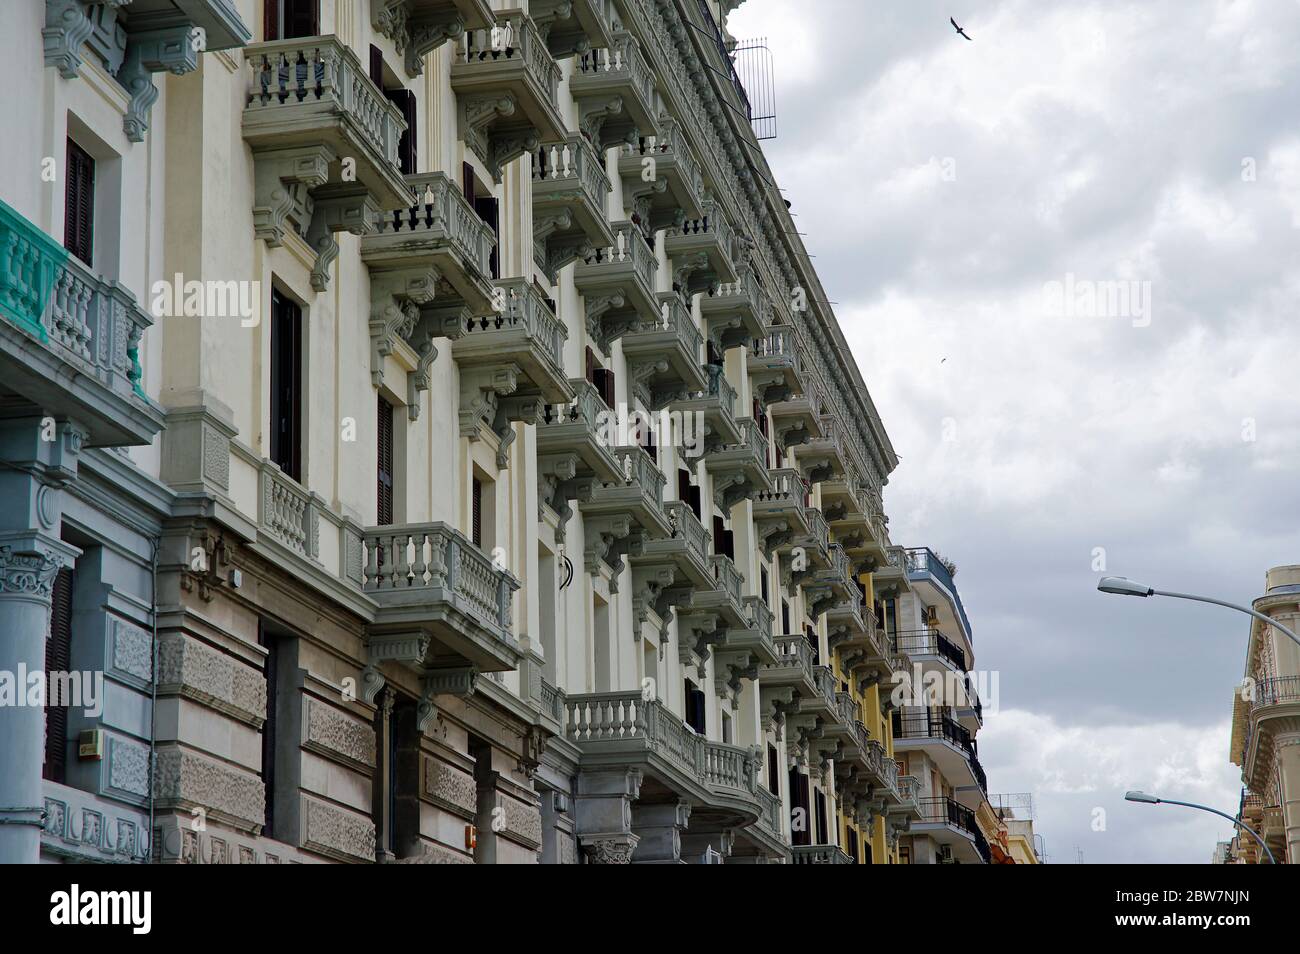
944 186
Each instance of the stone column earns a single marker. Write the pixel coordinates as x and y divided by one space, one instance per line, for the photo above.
603 809
1288 754
659 828
41 456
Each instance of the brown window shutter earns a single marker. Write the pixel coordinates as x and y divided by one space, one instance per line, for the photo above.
58 658
476 529
404 100
590 371
467 181
376 66
271 19
683 485
385 447
487 209
79 204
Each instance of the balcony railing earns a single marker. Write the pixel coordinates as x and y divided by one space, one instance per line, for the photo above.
1277 691
930 642
922 563
93 324
570 168
437 559
513 37
626 721
619 69
819 855
948 811
441 213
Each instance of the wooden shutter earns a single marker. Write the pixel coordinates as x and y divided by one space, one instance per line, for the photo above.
58 659
487 209
799 802
821 819
467 181
693 497
384 509
762 581
271 19
683 485
589 371
476 517
785 617
286 385
79 204
773 771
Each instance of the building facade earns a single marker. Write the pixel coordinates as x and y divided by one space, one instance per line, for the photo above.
427 436
1266 727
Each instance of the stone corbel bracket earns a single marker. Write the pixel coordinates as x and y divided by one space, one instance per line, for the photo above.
773 533
343 208
408 648
396 302
554 245
282 183
648 586
458 682
415 35
605 542
698 633
131 56
480 391
523 408
592 116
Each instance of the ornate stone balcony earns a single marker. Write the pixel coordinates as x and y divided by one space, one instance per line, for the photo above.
574 447
510 363
832 584
134 40
1274 717
715 403
891 576
776 364
624 730
739 470
819 855
703 250
614 88
781 514
429 270
418 27
798 418
823 456
667 572
623 513
663 355
69 339
569 192
310 109
617 285
736 313
572 26
506 83
662 181
856 519
443 608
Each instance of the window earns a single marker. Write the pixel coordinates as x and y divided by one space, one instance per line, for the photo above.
822 834
726 729
799 833
695 707
723 540
286 19
762 585
785 616
851 848
286 385
404 100
476 513
58 658
904 855
384 509
79 204
773 771
487 209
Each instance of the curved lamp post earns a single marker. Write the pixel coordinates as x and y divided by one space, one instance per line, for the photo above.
1146 799
1121 586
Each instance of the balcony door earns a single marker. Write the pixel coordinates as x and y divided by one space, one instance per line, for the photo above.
287 19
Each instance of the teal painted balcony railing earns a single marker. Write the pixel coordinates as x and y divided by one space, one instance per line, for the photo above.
90 322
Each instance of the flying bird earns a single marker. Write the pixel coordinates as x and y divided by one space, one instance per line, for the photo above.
958 29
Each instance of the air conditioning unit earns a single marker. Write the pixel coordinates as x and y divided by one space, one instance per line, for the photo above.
932 615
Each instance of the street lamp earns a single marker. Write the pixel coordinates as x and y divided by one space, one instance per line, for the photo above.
1120 586
1147 799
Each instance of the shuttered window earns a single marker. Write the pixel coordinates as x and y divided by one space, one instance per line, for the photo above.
467 181
773 770
695 707
822 834
488 211
384 509
785 617
79 204
286 385
404 100
286 19
58 659
476 503
799 807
